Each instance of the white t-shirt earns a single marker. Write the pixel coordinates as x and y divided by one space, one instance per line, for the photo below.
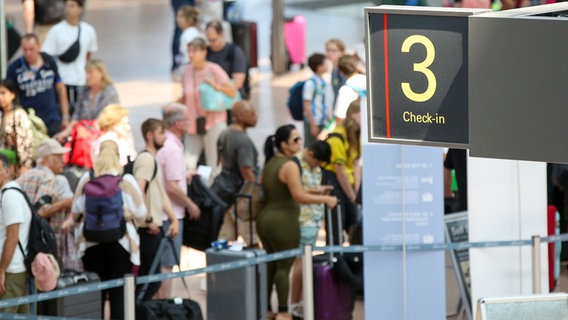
15 210
59 38
186 37
347 94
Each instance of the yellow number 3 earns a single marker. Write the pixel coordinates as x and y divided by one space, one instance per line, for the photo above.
421 67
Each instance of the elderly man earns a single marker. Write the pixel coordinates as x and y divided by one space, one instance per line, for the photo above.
51 195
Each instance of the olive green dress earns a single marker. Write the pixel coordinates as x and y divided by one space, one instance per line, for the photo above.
278 227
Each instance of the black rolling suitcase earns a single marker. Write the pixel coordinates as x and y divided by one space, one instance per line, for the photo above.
176 308
86 305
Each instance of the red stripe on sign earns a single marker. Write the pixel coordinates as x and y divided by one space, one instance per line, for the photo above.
387 93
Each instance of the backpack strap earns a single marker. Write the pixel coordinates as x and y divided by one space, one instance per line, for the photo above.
29 205
153 174
336 135
360 91
230 58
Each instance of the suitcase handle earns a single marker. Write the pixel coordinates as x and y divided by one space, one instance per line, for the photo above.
80 278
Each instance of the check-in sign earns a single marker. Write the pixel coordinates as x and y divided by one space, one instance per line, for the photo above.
418 75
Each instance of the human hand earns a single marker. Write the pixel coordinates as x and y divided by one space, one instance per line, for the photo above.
314 130
173 230
67 225
330 201
193 210
64 123
153 228
61 136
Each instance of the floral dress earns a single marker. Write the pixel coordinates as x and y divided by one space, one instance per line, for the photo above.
16 134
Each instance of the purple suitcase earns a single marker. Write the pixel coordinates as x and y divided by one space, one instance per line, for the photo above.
333 297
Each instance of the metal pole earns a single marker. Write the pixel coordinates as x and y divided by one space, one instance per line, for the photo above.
536 264
3 41
279 62
308 283
129 292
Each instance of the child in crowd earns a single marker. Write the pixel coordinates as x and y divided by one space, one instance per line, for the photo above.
311 215
317 110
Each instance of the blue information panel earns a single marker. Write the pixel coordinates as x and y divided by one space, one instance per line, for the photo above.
403 204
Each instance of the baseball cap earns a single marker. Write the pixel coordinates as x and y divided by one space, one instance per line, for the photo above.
45 271
50 146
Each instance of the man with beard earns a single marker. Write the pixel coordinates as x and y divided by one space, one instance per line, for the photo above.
149 176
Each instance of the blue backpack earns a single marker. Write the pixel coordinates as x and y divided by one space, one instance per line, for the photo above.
296 100
104 216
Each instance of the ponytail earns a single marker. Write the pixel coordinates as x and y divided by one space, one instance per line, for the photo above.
268 148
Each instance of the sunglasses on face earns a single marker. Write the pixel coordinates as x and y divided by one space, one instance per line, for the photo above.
297 139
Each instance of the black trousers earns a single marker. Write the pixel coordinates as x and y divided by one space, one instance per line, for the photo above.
109 261
149 245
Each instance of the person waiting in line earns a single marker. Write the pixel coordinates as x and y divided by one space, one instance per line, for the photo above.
149 175
98 93
317 109
278 223
171 160
53 196
345 143
204 127
113 122
187 19
355 83
16 131
334 49
16 218
39 84
111 260
311 215
60 41
239 162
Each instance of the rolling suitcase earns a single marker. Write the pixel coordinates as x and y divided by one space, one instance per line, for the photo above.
86 305
245 36
333 296
295 39
238 294
241 292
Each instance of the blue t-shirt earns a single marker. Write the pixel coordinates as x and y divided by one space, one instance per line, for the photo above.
37 88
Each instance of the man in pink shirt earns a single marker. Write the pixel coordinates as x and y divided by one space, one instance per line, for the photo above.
171 159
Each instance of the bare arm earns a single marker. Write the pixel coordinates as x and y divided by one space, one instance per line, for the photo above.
63 103
12 232
47 211
343 180
314 129
176 194
290 175
29 15
248 173
238 79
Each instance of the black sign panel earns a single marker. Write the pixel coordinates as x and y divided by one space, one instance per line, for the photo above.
418 76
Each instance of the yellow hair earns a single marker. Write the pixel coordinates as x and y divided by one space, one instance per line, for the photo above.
108 161
111 116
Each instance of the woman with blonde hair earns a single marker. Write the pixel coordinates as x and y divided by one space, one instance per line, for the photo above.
97 94
113 122
109 259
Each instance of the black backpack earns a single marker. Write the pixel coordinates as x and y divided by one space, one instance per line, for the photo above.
245 90
41 237
129 168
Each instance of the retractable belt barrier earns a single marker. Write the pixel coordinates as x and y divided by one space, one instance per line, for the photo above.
80 289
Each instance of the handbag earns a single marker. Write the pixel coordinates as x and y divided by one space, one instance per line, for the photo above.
213 100
73 51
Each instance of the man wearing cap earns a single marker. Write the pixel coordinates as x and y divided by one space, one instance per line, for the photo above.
15 218
51 195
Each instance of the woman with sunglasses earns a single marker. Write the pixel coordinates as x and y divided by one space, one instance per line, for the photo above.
277 224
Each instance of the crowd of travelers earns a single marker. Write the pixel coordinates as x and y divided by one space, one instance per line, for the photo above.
66 141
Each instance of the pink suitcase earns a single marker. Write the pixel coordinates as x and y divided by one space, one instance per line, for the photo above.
295 39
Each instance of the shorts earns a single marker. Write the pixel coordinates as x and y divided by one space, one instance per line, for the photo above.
168 259
308 235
